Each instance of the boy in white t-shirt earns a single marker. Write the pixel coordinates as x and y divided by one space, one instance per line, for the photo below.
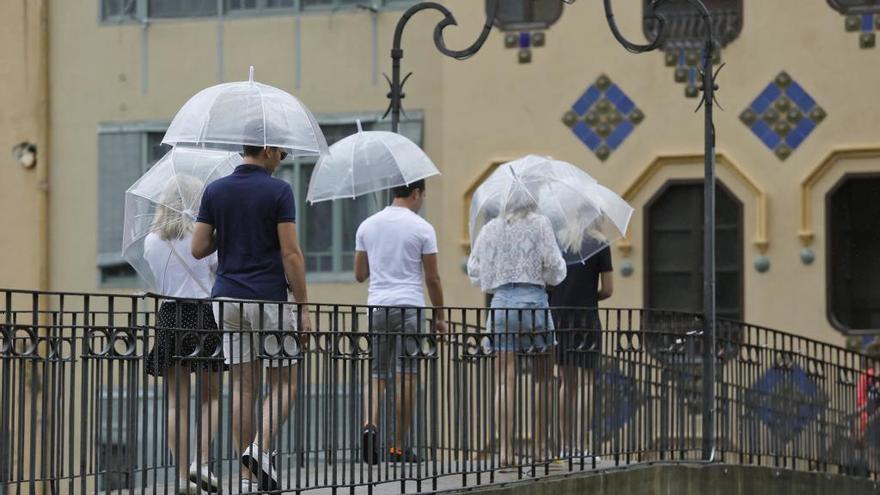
397 250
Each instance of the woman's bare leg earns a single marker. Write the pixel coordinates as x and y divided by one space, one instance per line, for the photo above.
177 389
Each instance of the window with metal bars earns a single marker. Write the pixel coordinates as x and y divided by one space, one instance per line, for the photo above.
674 250
853 267
130 10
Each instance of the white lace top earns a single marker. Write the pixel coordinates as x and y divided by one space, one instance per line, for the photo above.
522 250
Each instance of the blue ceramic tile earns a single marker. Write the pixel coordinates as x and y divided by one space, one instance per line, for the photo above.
795 403
797 136
620 134
525 39
766 134
620 100
797 94
586 100
766 98
586 135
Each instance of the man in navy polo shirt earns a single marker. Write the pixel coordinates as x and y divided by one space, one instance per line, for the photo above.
249 218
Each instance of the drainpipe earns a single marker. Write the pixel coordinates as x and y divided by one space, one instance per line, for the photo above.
42 115
41 108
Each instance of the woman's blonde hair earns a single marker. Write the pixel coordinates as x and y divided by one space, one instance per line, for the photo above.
175 215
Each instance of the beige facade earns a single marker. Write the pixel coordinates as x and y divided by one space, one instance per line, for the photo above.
476 113
24 103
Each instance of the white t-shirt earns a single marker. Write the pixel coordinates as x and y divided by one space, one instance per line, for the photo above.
395 240
171 278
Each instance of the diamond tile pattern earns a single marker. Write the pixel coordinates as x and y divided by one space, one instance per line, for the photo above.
783 115
603 117
786 400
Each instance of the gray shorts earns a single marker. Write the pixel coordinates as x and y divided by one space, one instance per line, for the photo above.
395 340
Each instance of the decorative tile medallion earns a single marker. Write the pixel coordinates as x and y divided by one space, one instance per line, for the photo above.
786 400
621 398
684 43
524 23
524 41
860 16
783 115
603 117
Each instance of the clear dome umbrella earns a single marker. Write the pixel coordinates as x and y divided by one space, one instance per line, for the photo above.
366 162
163 204
230 115
586 216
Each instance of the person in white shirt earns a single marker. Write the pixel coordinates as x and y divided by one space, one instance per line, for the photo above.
515 257
184 327
396 250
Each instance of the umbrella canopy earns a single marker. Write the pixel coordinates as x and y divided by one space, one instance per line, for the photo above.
586 216
162 206
230 115
366 162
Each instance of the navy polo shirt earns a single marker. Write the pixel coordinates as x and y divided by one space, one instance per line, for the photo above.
245 209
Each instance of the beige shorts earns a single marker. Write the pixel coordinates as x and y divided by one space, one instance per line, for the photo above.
252 331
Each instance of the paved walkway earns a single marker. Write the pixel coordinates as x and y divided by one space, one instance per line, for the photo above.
395 478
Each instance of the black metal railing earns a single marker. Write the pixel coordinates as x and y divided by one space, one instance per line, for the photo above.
82 412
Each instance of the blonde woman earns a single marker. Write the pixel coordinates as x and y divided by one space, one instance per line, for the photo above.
515 258
187 340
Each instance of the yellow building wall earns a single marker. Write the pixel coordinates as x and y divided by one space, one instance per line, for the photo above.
483 110
23 100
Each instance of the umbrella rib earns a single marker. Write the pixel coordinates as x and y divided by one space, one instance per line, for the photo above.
263 113
353 148
152 200
201 135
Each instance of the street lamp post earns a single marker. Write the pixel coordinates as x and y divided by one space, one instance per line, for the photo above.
708 87
396 94
708 104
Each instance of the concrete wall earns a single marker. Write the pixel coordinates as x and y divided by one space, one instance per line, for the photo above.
479 111
672 479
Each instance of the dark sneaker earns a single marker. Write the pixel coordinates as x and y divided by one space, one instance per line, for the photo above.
397 455
260 463
370 445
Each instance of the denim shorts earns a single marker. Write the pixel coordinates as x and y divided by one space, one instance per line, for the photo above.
523 322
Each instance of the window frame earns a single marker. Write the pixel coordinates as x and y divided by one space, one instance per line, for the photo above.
646 255
141 14
105 260
293 166
829 286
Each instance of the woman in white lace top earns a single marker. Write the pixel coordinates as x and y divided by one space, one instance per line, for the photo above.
515 257
518 250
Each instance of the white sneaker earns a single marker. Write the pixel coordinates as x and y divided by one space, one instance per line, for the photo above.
260 463
203 477
248 486
187 487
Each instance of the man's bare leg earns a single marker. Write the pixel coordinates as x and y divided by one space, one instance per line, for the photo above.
576 399
372 406
209 407
406 387
276 407
244 383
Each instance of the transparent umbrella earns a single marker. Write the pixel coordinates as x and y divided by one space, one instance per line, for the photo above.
230 115
161 207
366 162
586 216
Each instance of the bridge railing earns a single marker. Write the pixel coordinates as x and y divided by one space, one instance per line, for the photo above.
495 395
